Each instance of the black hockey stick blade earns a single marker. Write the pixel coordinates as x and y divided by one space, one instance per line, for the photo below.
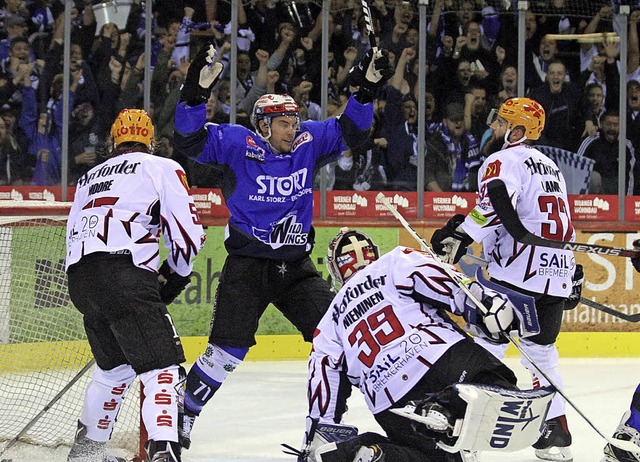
509 217
368 20
611 311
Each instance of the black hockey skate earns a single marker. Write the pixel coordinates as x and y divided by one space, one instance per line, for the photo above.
624 432
163 451
185 425
88 450
555 441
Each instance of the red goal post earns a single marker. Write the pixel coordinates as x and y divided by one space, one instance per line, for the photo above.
42 339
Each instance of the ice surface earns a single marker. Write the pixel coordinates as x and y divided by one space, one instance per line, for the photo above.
263 404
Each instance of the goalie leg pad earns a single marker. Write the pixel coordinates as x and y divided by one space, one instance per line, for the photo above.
321 437
495 419
103 398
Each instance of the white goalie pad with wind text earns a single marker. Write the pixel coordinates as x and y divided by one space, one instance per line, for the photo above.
496 419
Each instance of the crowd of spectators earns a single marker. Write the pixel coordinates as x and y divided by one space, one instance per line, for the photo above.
471 51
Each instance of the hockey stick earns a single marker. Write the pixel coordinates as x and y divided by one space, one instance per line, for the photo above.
509 217
611 311
368 20
472 259
48 406
621 444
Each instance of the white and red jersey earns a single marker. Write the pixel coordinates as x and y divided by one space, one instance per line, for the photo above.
385 329
539 195
125 203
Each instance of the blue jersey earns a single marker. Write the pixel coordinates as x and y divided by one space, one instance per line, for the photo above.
269 196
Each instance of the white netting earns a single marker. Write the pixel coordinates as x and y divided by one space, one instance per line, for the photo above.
42 340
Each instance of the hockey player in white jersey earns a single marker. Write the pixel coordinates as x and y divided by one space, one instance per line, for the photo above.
120 209
538 192
438 396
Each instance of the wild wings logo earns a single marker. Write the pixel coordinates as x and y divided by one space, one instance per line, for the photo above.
284 232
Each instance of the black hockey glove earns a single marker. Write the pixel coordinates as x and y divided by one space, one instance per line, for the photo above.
202 75
370 74
636 261
173 284
450 241
576 291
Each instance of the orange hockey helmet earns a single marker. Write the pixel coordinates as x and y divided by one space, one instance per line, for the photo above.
133 125
524 112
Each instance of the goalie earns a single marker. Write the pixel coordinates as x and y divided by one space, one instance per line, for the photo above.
437 395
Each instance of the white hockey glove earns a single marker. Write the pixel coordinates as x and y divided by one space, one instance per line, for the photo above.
371 74
497 319
202 75
319 434
450 241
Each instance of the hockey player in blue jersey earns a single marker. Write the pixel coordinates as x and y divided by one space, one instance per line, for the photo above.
268 188
629 428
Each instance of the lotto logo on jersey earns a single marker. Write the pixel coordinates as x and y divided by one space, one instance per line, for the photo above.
492 171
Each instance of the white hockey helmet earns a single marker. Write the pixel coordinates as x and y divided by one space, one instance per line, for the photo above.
349 251
272 105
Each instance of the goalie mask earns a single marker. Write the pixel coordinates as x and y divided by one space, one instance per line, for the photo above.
349 252
133 126
269 106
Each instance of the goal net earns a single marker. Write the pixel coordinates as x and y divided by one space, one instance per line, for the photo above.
42 341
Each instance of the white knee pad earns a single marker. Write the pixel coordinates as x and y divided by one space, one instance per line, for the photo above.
160 406
103 398
547 359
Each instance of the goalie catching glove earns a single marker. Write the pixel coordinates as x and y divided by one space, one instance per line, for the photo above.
202 75
371 74
450 242
504 310
171 283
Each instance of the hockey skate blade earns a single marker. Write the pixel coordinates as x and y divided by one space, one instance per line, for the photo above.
624 445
